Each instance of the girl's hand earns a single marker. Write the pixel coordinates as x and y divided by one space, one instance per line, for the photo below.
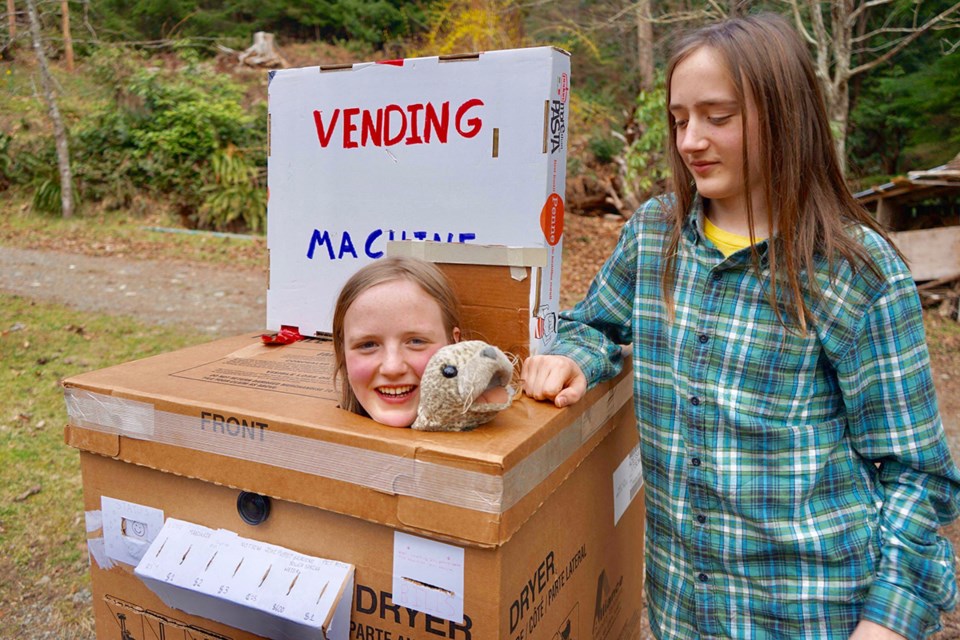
556 378
867 630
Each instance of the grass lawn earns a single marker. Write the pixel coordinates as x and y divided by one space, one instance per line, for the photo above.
43 559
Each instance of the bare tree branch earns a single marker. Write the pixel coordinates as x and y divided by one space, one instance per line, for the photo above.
905 42
863 8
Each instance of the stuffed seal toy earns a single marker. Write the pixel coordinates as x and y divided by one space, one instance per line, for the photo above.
464 385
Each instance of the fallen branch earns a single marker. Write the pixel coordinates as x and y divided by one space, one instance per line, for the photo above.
940 282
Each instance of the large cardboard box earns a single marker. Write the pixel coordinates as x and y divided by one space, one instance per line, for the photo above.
515 530
461 149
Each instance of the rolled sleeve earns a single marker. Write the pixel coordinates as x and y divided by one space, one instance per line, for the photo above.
591 333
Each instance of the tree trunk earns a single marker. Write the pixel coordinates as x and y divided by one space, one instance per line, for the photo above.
12 20
60 134
839 115
67 40
645 45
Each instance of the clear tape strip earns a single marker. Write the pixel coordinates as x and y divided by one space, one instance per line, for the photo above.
385 472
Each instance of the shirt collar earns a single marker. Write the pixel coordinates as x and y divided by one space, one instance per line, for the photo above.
695 233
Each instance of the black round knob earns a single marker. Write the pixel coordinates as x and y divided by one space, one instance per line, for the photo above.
253 507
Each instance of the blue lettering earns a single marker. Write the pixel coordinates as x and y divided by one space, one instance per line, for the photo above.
346 246
319 239
367 247
322 239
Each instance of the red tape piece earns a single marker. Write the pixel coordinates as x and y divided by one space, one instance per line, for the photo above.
286 335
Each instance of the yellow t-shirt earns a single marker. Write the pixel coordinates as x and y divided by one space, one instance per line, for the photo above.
728 243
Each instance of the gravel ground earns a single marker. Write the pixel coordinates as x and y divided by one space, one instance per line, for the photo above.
217 301
225 302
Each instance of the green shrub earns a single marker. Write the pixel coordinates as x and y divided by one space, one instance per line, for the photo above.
236 195
647 167
46 195
183 136
604 148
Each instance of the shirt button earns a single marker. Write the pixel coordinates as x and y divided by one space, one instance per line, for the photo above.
695 401
701 518
695 462
717 276
703 338
703 577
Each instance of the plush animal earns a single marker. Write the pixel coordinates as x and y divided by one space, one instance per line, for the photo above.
464 385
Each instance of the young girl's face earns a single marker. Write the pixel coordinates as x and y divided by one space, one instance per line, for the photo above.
709 132
389 333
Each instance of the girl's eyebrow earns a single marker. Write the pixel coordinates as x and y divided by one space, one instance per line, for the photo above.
707 103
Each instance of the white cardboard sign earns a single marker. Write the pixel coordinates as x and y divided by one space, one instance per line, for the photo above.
428 576
259 587
470 149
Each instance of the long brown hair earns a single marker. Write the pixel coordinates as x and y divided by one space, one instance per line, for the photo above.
424 274
806 196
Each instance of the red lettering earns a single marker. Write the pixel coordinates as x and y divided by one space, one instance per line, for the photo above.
436 123
394 124
349 127
390 140
414 137
474 124
324 134
370 129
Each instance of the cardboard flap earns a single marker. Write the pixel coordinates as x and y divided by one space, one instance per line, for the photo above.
105 444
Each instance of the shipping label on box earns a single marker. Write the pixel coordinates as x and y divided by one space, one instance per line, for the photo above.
469 149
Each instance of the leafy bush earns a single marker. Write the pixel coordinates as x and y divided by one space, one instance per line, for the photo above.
604 148
33 164
646 164
182 134
235 196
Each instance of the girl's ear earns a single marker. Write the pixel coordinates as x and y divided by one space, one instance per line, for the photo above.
456 334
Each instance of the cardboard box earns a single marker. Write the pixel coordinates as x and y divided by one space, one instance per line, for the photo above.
493 284
508 531
468 148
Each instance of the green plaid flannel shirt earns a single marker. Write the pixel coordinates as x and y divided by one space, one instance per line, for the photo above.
794 480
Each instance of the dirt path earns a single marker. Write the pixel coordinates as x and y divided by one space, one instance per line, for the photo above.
217 301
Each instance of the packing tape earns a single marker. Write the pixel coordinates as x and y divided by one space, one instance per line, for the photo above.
98 553
460 253
385 472
93 520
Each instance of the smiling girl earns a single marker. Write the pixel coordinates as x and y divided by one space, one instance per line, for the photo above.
795 463
390 317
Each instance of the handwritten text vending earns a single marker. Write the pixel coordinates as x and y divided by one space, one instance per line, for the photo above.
393 124
338 245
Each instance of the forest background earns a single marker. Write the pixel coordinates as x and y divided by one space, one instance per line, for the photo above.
150 114
141 108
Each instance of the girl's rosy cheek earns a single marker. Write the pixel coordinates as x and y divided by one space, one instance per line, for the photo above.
359 370
419 362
